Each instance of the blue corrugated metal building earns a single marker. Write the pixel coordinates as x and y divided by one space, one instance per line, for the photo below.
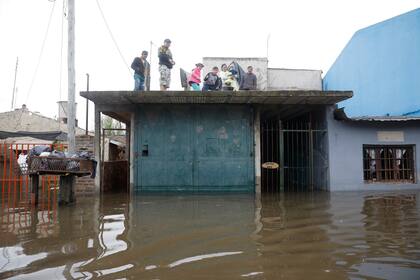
374 138
381 65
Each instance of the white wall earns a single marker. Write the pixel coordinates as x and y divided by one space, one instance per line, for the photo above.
294 79
260 66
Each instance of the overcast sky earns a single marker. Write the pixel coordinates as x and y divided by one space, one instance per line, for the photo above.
303 34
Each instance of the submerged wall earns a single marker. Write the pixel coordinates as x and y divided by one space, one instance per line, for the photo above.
85 186
194 148
346 140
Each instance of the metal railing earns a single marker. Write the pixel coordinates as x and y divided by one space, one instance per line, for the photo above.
14 183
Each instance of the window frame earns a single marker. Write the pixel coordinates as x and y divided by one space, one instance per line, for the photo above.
387 173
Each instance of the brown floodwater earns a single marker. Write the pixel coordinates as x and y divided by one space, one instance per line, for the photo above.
344 235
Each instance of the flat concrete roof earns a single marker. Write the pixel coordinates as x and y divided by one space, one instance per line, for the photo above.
287 97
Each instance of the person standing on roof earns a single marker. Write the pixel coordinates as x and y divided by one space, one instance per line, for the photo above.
195 78
141 70
165 64
249 80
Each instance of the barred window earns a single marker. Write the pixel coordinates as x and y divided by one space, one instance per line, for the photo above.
388 163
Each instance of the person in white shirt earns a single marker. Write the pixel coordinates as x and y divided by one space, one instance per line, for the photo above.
224 75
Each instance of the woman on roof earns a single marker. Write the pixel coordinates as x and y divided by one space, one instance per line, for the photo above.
195 78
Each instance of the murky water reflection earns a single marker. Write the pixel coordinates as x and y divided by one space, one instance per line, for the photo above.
230 236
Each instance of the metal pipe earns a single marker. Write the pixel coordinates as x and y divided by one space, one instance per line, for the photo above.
87 104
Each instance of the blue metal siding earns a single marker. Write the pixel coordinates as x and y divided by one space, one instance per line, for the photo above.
198 148
381 65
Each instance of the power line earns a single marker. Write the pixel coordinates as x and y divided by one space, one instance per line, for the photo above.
112 36
61 48
38 63
40 53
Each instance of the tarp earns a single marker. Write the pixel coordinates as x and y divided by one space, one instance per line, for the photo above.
184 78
237 70
51 135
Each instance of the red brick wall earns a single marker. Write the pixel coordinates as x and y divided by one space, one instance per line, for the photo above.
85 186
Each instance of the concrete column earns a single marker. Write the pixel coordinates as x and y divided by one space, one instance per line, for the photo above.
97 148
257 150
131 164
66 192
71 107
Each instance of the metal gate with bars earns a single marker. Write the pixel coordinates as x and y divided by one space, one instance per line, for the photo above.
293 156
14 185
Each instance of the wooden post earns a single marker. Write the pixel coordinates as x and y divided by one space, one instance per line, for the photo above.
34 188
66 195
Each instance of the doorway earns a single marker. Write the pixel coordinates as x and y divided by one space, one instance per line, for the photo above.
293 155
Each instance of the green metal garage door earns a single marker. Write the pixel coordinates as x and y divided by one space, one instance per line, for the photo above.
194 148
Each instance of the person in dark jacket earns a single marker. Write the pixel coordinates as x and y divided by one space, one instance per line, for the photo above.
141 70
212 81
165 64
249 80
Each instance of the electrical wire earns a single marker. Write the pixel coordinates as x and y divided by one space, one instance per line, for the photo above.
60 91
112 37
38 63
63 15
40 53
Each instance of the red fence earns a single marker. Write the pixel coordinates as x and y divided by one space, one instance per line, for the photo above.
14 183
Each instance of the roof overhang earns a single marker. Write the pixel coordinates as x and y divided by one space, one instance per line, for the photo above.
217 97
340 115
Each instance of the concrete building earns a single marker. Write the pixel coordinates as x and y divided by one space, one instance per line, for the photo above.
374 139
262 141
24 120
289 134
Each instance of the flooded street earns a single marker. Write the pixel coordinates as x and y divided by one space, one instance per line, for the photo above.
345 235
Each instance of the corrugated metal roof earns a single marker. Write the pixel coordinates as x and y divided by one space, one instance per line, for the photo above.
386 118
340 115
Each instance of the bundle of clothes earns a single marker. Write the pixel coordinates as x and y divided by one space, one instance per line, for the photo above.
45 164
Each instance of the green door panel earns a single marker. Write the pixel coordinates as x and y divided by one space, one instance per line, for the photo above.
199 148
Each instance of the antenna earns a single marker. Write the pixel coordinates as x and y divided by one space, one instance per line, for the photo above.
14 84
149 78
268 43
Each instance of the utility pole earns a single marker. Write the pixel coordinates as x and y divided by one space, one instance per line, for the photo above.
14 84
71 110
